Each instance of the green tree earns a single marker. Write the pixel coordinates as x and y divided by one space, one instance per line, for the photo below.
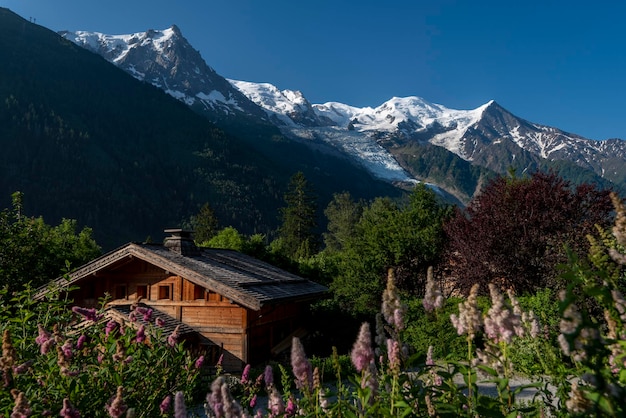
32 251
228 238
343 214
204 224
407 237
297 231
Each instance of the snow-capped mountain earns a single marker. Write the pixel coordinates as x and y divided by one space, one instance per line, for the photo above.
165 59
377 138
470 134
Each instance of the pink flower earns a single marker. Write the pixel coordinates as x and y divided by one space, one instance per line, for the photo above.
300 365
110 326
393 353
172 340
268 376
469 320
291 407
21 408
67 349
88 314
199 362
429 356
245 376
253 401
159 322
43 335
116 406
433 299
68 410
275 403
141 334
362 353
81 341
180 410
166 404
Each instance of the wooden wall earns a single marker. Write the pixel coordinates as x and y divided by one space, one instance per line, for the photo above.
242 335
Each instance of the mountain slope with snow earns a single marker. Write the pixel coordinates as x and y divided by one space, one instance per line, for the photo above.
488 136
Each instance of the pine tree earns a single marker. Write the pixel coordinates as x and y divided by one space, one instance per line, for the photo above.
297 232
205 224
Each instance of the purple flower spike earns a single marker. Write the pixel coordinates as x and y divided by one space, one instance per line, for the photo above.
245 376
81 342
89 314
362 353
141 334
268 376
166 404
199 362
180 410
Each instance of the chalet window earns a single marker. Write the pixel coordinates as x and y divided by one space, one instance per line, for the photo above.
198 292
142 291
165 291
120 291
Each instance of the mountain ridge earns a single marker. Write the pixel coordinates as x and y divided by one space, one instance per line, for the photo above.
488 136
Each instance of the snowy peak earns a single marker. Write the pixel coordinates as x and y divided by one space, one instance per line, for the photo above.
284 107
165 59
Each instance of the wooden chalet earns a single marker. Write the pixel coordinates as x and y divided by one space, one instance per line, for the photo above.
225 302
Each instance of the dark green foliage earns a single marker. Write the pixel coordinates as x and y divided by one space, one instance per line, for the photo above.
343 214
297 231
407 237
32 251
204 224
514 233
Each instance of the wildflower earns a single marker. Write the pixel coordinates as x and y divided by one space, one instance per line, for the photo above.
231 406
9 355
120 352
110 327
381 336
89 314
429 356
146 313
165 404
141 334
362 353
275 403
433 299
64 365
199 362
67 349
172 340
268 376
501 323
21 408
253 401
469 320
81 341
391 301
159 322
68 410
290 410
180 410
317 381
20 369
116 406
619 230
300 365
43 335
393 354
245 376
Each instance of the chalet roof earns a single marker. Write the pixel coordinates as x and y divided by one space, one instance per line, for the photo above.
243 279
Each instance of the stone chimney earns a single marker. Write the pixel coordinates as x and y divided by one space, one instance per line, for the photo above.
181 242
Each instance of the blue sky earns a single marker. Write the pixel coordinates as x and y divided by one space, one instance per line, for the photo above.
557 63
